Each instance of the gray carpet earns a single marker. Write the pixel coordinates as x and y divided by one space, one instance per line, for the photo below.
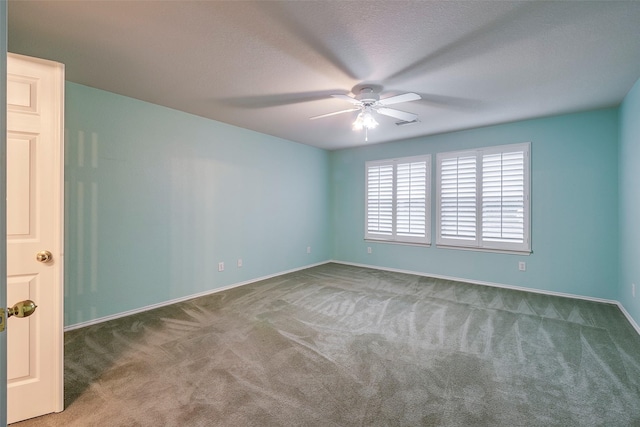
337 345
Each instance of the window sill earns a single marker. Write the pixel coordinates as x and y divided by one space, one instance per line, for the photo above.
500 251
393 242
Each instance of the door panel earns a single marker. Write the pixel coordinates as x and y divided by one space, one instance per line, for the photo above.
21 152
22 93
20 364
34 223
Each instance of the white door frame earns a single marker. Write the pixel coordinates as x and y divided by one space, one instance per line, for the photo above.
3 207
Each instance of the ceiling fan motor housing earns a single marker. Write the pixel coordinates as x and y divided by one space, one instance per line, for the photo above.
367 96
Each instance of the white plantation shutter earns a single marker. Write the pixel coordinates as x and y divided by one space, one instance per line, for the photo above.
483 198
398 195
380 200
503 197
411 187
457 186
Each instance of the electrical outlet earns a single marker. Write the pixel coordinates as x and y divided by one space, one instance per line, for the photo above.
369 249
633 290
221 266
239 262
522 266
308 249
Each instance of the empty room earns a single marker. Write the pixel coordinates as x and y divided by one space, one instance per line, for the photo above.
320 213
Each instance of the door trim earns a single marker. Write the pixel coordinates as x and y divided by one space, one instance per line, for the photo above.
3 209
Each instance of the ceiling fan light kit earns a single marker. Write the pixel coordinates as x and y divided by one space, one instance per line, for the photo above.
367 102
365 120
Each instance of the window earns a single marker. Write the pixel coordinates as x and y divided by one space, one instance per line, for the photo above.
398 200
483 198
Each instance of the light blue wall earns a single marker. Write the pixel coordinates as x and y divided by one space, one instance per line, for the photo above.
574 200
630 202
155 198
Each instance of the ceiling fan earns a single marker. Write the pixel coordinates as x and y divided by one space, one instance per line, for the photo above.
367 102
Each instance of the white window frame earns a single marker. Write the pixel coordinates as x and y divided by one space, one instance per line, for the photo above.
385 227
463 226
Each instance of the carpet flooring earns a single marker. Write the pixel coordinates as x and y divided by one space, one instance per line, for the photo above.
338 345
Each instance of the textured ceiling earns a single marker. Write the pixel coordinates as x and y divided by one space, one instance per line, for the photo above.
269 66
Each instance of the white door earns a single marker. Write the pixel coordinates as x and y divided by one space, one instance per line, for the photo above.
34 224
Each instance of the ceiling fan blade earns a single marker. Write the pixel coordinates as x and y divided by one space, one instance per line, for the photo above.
450 101
276 100
333 114
347 98
402 115
405 97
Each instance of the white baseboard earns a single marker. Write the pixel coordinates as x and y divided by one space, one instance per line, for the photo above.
500 285
185 298
631 320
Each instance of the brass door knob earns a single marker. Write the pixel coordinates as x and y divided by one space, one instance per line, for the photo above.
44 256
22 309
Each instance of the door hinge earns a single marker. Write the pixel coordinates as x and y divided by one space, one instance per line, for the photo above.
3 319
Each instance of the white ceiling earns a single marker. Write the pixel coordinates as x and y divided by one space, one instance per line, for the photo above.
269 66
